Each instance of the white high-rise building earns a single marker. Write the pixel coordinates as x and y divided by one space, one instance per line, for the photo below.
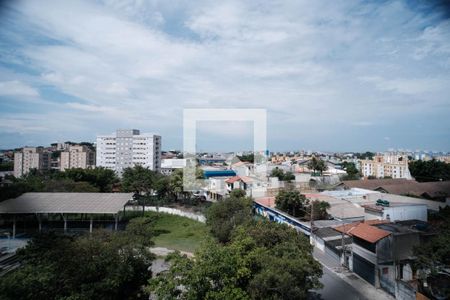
128 148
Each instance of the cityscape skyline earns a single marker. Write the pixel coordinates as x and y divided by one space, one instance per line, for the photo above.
331 75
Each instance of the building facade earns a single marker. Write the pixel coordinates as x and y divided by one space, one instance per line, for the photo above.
391 165
77 157
169 165
31 158
127 148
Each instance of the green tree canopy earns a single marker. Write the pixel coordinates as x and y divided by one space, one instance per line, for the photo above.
365 155
225 215
352 171
431 170
317 164
100 177
319 210
247 157
263 260
292 202
282 176
104 265
139 180
434 255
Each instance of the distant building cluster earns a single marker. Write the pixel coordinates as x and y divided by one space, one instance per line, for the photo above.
388 165
31 158
126 148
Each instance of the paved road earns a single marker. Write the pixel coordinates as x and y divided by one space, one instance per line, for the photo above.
336 288
344 285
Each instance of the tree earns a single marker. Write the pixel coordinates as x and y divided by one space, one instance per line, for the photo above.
365 155
100 177
277 173
139 180
352 171
317 164
7 166
292 202
163 189
319 210
263 260
247 157
104 265
431 170
434 255
282 176
199 174
68 186
224 216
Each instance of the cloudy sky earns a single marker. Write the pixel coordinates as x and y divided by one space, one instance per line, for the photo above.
333 75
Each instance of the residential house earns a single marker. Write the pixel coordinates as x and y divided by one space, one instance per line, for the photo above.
382 253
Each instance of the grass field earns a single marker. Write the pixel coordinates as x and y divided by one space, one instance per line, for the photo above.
178 233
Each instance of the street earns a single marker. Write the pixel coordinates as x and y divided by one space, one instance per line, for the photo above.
335 288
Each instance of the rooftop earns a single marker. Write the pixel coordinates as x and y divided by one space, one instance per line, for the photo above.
239 178
327 232
365 230
368 233
403 187
92 203
375 207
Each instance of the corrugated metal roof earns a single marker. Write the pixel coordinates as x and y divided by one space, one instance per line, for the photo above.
93 203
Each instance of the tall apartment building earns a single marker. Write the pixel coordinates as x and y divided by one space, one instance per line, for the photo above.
394 165
31 158
127 148
77 157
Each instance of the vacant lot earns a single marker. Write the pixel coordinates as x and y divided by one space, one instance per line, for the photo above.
178 233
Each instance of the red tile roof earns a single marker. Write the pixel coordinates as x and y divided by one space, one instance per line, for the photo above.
369 233
364 230
237 178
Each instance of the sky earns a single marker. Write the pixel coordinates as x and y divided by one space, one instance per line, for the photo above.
332 75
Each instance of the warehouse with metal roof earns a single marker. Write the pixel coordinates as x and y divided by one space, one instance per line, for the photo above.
65 204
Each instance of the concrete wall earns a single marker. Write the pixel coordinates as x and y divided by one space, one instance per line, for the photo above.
410 212
172 211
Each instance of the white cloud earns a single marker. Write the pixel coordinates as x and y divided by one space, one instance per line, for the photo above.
321 62
17 88
408 86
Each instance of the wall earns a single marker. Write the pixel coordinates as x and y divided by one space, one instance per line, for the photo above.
407 212
169 210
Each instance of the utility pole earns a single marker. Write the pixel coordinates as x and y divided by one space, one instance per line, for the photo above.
344 264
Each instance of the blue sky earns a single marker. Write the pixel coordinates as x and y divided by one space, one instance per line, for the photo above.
333 75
